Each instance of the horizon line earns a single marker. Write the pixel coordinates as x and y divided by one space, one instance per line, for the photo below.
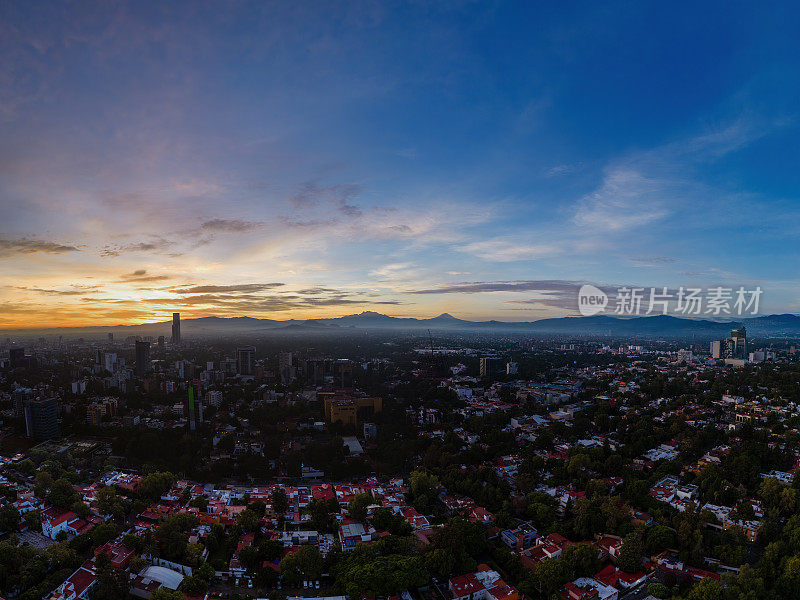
729 319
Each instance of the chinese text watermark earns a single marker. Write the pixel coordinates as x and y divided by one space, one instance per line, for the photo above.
688 301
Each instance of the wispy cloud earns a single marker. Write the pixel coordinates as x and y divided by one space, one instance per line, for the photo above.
229 225
626 199
476 287
156 245
211 289
33 246
510 251
141 276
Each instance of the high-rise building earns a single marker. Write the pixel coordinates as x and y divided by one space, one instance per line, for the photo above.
110 361
176 328
194 409
142 358
491 366
245 360
733 347
285 367
19 398
738 343
110 337
343 373
41 418
161 344
16 356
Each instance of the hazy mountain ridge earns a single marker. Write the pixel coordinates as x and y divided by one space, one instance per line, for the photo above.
655 326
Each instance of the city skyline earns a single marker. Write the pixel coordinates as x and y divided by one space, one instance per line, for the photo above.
318 160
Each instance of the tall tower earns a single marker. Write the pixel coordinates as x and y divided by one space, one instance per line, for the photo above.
739 342
245 360
176 328
142 358
41 418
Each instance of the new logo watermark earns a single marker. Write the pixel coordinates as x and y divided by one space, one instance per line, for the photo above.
714 301
591 300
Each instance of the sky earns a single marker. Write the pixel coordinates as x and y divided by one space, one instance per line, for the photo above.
315 159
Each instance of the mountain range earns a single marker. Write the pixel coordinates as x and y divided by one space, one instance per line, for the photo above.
655 326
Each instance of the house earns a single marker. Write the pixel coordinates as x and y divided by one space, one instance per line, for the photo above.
118 552
352 534
519 538
588 588
55 520
483 584
235 566
76 587
612 576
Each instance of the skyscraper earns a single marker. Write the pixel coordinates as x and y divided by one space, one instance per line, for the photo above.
285 367
193 408
41 418
738 343
491 366
16 357
142 358
176 328
245 360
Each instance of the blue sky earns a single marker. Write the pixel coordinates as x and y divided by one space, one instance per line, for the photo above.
358 153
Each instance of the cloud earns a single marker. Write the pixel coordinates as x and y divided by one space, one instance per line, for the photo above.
338 196
542 285
626 199
158 246
395 271
211 289
140 275
644 187
55 292
32 246
652 261
509 251
229 226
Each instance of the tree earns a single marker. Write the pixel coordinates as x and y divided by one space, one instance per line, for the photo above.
171 538
9 518
80 508
707 589
660 538
280 502
357 508
43 483
659 590
134 542
108 502
166 594
321 518
631 552
551 574
582 559
306 563
247 520
152 486
62 494
424 485
102 533
112 583
194 586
